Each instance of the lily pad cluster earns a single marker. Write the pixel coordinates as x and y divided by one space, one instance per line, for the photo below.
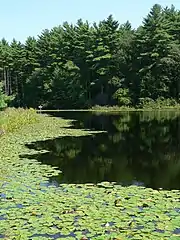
32 208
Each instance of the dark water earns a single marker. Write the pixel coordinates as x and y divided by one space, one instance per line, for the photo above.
138 148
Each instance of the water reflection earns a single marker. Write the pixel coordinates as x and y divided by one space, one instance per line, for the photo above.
141 148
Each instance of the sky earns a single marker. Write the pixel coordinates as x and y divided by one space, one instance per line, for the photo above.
22 18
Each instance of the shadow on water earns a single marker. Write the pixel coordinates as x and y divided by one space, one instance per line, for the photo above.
138 148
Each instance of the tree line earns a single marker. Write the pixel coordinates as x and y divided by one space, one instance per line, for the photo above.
106 63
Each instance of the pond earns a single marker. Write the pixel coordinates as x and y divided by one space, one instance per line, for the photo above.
40 202
136 148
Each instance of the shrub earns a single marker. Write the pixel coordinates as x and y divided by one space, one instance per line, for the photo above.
159 103
122 97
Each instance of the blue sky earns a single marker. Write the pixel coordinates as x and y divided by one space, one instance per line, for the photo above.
22 18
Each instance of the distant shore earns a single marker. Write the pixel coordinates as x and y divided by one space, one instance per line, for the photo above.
113 109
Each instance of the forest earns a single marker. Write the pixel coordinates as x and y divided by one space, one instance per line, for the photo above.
107 63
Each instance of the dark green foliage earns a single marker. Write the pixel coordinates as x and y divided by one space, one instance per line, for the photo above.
77 66
2 99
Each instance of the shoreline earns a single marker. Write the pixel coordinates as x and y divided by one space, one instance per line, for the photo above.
109 110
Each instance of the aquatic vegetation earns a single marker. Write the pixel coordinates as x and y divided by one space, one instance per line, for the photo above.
14 119
32 208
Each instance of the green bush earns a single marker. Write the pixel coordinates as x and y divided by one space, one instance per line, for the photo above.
122 97
146 103
3 104
160 103
4 99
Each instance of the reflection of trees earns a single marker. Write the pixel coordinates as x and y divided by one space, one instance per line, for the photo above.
137 147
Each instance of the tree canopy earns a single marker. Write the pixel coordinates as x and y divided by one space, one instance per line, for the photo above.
105 63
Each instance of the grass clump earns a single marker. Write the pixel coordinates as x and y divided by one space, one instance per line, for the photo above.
14 119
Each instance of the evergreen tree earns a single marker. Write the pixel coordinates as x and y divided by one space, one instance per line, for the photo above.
80 65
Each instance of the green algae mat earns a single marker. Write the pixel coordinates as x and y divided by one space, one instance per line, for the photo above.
31 208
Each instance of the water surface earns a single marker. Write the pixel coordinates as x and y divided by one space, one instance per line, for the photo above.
137 148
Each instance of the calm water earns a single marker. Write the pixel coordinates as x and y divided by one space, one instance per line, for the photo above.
138 148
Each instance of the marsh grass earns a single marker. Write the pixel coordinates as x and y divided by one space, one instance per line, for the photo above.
148 107
14 119
111 108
